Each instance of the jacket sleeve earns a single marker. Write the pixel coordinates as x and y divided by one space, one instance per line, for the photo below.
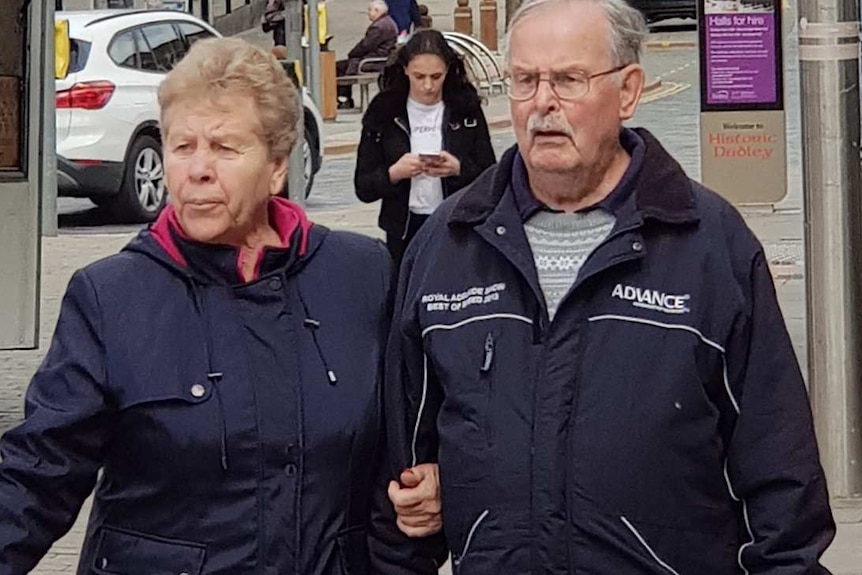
773 466
374 36
391 551
371 178
413 395
481 158
51 460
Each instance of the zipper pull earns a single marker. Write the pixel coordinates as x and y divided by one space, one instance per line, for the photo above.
489 353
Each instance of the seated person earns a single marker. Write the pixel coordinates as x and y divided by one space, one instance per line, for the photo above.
378 42
425 19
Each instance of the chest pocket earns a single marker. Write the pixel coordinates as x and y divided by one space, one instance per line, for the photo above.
121 552
188 392
173 425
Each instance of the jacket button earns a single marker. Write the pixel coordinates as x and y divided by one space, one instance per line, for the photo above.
275 284
501 230
290 470
637 246
198 390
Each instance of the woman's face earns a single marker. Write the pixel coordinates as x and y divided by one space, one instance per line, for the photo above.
218 168
426 73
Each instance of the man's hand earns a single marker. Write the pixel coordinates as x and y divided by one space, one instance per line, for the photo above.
417 500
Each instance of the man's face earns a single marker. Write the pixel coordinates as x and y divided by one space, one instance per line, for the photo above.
559 136
218 169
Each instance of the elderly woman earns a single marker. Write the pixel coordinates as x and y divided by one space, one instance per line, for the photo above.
222 372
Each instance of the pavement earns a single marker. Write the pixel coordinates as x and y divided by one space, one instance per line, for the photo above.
669 111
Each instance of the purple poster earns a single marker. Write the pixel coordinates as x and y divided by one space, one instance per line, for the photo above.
740 53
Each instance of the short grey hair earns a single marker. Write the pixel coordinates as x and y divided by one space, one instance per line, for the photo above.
627 26
381 6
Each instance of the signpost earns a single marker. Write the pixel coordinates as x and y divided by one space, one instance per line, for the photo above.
25 95
742 121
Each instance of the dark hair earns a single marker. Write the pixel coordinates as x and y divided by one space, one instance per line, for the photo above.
457 88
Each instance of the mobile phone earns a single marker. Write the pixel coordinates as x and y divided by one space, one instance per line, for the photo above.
431 158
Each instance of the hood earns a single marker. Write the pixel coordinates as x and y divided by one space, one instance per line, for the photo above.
159 241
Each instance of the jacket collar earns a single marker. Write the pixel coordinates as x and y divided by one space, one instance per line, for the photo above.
386 107
661 189
165 242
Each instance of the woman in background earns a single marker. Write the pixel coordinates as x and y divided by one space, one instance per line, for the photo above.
424 137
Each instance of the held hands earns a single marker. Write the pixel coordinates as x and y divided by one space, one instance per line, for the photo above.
411 165
417 500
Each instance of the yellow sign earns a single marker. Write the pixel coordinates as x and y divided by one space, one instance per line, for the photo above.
321 23
62 49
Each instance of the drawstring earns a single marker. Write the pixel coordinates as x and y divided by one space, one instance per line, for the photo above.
313 325
213 376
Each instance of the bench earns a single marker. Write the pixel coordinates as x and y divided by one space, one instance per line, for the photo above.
364 82
363 79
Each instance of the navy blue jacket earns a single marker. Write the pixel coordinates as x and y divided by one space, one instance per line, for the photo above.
659 424
237 425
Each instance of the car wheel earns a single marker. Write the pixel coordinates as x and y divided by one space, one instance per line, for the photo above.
142 194
310 150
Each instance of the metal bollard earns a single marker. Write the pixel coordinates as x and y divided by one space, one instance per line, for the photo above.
463 18
488 24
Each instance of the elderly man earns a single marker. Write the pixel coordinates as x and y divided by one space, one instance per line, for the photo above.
378 42
589 344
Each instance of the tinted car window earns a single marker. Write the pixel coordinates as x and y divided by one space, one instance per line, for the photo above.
78 53
147 61
192 33
166 46
123 50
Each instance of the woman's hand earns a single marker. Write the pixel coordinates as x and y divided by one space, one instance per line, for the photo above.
407 166
417 500
448 165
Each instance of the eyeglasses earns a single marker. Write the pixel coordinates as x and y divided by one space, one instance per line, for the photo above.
571 85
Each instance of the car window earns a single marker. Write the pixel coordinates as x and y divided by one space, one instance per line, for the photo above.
192 33
146 59
123 51
79 50
165 44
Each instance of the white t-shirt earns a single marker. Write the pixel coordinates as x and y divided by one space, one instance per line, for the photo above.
426 137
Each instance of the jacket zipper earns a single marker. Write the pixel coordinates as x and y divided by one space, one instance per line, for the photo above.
457 560
488 358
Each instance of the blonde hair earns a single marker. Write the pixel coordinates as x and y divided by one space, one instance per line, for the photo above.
217 67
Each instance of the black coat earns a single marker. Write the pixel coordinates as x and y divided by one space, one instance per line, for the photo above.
386 137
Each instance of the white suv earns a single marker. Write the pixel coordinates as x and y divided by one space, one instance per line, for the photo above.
108 146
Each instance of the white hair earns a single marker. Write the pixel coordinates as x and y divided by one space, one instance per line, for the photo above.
381 6
627 26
